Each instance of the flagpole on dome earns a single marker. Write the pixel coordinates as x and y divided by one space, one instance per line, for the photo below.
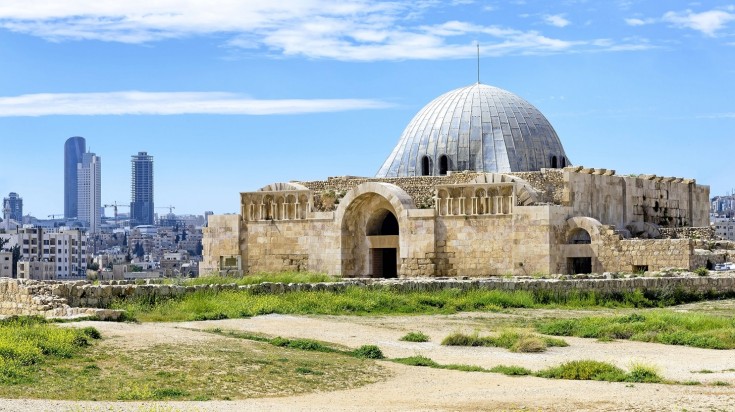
478 62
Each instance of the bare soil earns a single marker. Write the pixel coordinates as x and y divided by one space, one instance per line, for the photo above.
423 389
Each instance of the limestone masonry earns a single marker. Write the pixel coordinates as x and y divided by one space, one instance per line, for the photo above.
469 203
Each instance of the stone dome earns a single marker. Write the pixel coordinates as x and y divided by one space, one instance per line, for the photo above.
478 128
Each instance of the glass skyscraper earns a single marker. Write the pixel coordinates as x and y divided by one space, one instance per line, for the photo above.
141 192
74 149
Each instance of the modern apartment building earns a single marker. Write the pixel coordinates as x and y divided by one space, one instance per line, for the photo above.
65 249
74 149
141 192
724 228
89 189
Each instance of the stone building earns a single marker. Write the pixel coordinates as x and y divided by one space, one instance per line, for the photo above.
478 185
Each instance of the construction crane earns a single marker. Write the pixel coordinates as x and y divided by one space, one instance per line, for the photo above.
114 207
170 209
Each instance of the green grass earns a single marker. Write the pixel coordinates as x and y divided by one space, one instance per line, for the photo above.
600 371
512 340
204 305
282 277
671 328
415 337
575 370
363 352
27 343
224 368
511 370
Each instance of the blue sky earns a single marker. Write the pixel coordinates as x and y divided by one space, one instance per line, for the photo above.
231 95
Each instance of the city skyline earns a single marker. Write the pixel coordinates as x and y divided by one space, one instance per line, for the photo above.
255 95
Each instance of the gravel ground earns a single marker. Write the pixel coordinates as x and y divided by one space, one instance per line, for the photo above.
418 389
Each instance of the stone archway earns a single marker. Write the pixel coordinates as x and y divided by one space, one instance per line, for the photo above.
372 217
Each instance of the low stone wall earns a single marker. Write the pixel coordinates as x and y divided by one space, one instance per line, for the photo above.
65 299
22 297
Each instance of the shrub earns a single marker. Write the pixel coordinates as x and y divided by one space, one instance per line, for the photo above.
511 370
585 370
415 337
643 374
529 344
701 271
92 333
459 339
418 360
369 352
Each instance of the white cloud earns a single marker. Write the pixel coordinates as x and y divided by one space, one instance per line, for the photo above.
170 103
556 20
707 22
351 30
639 22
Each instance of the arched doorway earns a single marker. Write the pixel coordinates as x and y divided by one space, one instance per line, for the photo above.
372 219
382 231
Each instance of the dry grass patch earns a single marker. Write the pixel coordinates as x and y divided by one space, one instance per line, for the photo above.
226 369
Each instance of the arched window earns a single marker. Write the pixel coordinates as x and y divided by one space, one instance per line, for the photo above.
425 171
563 162
553 162
443 165
580 237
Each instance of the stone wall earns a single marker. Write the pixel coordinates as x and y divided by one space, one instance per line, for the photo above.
61 299
703 233
221 239
621 200
22 297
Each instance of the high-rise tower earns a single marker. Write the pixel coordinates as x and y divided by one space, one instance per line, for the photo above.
74 149
14 205
89 191
141 192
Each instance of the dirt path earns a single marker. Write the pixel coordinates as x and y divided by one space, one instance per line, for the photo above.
416 389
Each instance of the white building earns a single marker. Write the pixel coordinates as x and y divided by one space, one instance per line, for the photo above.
36 270
66 249
6 265
89 191
724 228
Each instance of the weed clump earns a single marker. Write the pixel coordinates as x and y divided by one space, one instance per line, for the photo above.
511 340
511 370
417 360
369 352
415 337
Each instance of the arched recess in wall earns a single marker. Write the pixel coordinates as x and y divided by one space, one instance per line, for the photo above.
553 162
579 236
425 166
563 162
373 219
443 165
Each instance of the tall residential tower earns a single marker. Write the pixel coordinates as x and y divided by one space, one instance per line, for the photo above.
89 191
74 149
13 204
141 192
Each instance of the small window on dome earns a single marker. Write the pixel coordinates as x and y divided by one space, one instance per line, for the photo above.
553 162
443 165
563 162
425 171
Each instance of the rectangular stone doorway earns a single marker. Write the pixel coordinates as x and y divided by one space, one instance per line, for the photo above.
383 263
579 265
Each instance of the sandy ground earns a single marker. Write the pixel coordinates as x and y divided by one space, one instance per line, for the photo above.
417 389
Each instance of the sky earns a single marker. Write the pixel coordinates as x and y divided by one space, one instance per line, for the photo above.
230 95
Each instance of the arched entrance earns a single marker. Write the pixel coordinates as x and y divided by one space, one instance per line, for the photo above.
382 232
372 217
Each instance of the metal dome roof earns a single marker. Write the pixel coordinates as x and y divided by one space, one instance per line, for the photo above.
479 128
